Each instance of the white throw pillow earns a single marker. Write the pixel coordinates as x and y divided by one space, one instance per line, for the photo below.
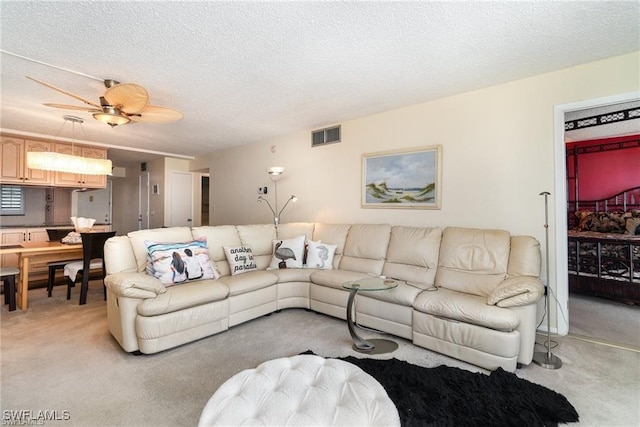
175 263
291 251
320 255
240 259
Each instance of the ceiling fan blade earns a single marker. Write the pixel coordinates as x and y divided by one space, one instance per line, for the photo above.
50 86
155 114
71 107
129 98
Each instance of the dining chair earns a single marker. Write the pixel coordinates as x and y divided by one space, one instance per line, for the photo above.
92 259
8 276
56 235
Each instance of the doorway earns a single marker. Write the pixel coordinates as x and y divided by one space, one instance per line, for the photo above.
93 204
562 314
204 197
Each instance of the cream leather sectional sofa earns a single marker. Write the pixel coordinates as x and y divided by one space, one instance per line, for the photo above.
470 293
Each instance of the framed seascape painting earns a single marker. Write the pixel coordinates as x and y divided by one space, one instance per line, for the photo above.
402 179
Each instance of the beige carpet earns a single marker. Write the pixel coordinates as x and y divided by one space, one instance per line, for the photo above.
59 356
604 320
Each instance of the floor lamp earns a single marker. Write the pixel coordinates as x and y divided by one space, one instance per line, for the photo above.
547 359
275 173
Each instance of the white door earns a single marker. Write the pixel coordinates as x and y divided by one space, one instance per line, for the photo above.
181 199
143 201
95 204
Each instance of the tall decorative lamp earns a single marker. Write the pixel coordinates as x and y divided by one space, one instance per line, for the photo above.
275 173
547 359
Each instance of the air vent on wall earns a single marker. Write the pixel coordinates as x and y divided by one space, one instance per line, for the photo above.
325 136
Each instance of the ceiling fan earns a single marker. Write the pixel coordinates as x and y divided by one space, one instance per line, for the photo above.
120 104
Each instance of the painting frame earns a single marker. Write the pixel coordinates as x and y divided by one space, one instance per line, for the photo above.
402 179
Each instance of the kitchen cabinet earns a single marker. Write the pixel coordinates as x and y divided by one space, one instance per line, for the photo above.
13 167
64 179
18 236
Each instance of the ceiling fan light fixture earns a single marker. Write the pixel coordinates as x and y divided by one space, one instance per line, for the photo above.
111 116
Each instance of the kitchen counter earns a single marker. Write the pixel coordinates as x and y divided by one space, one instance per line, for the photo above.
69 225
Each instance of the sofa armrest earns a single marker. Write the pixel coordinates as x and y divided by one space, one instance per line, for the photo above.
134 285
517 291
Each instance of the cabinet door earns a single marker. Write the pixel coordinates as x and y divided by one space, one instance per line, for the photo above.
12 163
94 181
14 236
66 179
36 176
37 235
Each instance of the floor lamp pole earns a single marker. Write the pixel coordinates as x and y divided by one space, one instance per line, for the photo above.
547 359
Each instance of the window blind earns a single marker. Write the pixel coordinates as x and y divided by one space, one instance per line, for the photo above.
12 200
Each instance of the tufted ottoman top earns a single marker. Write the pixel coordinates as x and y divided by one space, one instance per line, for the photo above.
301 390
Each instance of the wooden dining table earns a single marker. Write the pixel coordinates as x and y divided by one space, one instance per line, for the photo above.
41 252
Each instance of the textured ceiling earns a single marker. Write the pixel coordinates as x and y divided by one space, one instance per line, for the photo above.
243 72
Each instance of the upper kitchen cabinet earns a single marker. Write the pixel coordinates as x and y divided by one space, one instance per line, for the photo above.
63 179
13 167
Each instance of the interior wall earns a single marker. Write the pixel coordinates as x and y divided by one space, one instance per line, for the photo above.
35 214
602 174
124 194
156 169
498 156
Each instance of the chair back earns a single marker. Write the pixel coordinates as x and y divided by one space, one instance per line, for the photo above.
56 234
93 247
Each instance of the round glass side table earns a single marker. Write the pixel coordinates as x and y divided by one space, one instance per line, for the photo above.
369 284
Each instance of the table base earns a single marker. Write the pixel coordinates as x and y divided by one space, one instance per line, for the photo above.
380 346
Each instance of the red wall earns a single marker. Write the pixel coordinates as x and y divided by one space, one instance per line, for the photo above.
603 174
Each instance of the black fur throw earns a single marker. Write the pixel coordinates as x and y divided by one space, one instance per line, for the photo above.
446 396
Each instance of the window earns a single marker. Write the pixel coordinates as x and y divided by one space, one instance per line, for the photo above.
12 202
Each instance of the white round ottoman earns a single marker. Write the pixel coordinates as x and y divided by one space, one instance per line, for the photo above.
301 390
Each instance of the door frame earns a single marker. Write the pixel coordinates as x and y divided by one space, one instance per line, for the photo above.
561 245
141 194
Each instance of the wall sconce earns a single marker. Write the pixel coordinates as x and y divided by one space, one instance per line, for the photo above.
275 173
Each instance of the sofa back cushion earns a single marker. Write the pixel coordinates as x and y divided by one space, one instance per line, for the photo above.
333 234
366 248
292 230
157 235
259 237
473 261
217 237
524 258
413 255
119 256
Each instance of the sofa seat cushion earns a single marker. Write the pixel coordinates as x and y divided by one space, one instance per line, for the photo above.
466 308
247 282
293 274
181 297
335 278
404 294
